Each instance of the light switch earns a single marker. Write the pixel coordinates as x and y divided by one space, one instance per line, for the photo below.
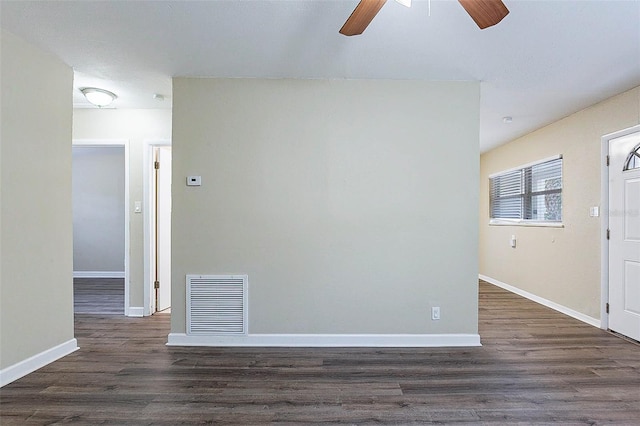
137 207
194 181
594 211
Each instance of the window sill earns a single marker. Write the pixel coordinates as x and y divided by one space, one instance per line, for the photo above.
530 223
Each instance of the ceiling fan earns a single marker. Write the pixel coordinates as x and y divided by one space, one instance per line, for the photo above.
485 13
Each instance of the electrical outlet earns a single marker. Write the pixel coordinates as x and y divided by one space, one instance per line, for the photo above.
435 313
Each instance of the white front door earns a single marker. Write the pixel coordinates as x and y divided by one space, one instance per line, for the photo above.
624 242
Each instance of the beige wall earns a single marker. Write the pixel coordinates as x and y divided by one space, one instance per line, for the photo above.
36 287
351 205
558 264
136 126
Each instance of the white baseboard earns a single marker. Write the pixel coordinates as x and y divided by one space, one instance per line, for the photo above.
98 274
548 303
31 364
135 311
328 340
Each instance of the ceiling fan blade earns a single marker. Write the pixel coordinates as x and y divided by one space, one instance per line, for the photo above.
361 17
486 13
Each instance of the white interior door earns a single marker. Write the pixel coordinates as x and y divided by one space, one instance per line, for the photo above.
164 228
624 243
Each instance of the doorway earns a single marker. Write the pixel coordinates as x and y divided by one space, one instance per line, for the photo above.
100 226
623 233
157 186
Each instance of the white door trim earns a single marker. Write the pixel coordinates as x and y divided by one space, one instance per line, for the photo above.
147 159
604 222
127 235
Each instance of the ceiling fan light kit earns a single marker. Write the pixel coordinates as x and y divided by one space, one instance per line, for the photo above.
485 13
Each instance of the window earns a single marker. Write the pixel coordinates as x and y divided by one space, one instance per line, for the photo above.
633 160
528 195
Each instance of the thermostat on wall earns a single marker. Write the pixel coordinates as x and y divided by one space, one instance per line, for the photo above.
194 181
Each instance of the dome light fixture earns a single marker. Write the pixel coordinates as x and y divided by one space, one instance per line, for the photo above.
98 97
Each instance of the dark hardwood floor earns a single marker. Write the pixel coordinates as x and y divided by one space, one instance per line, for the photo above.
536 366
98 296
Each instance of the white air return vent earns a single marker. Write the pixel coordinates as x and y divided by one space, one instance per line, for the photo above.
216 304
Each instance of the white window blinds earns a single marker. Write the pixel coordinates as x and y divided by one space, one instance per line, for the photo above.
529 193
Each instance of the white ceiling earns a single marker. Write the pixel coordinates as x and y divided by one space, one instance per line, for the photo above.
544 61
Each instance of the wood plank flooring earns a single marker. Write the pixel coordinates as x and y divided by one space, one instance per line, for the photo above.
536 366
98 296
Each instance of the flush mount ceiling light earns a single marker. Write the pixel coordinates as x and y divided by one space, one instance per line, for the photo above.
98 97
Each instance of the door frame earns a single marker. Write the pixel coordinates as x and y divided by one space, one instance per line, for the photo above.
147 171
97 143
604 222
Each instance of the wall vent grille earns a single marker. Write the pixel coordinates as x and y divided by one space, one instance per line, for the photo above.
217 304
